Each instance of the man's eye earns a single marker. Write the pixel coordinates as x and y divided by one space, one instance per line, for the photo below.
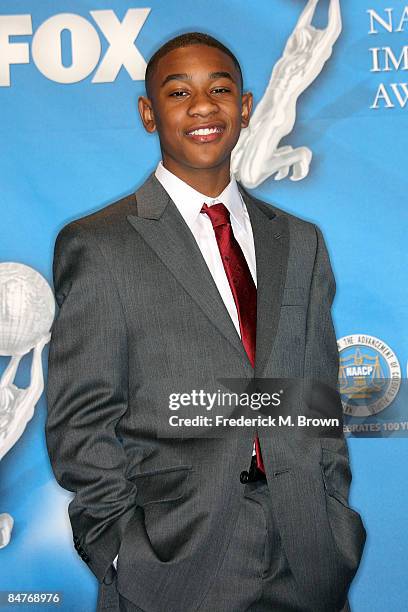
221 89
178 94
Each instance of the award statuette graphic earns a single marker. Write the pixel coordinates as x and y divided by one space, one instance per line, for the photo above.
27 309
257 154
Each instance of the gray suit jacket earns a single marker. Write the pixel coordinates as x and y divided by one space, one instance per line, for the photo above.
140 317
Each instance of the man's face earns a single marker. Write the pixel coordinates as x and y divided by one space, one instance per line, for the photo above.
197 107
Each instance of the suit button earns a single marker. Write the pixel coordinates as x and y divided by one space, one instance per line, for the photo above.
244 477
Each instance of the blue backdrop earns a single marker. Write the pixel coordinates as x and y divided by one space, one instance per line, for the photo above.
68 149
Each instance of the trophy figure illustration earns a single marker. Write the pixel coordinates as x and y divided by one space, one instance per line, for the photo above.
257 154
27 309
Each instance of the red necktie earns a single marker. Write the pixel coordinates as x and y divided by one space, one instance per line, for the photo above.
242 286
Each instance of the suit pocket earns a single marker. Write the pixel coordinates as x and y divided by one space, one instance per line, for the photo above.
162 485
165 496
346 526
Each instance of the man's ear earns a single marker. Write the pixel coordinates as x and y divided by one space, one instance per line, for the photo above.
247 102
146 113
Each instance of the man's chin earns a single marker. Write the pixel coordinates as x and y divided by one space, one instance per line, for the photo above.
208 162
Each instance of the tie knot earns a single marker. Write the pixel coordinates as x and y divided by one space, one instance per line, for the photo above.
218 213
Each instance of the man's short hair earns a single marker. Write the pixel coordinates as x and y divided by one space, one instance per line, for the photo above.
186 40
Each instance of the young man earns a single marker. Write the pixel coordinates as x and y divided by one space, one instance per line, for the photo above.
186 282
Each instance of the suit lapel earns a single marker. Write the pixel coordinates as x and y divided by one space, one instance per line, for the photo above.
163 228
161 225
271 238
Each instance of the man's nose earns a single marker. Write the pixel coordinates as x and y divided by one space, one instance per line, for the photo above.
202 104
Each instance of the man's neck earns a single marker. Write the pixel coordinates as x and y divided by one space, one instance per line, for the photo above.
208 181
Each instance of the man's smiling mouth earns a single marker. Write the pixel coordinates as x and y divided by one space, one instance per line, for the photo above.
205 134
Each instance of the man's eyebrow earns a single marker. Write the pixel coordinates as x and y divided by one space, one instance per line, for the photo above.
182 76
220 75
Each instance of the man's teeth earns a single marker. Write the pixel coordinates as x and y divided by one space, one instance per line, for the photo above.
205 131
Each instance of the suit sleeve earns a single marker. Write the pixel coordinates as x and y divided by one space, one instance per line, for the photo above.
322 360
87 394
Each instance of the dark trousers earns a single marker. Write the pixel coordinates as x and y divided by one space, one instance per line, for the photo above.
254 575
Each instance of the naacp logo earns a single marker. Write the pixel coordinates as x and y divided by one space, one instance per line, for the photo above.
369 375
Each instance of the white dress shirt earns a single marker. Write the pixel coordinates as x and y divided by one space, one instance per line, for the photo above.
189 203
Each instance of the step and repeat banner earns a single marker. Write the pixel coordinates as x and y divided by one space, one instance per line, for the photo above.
327 142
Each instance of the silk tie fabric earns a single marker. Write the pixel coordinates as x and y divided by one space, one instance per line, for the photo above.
241 283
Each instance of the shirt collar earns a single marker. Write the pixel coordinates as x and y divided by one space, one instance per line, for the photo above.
189 201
